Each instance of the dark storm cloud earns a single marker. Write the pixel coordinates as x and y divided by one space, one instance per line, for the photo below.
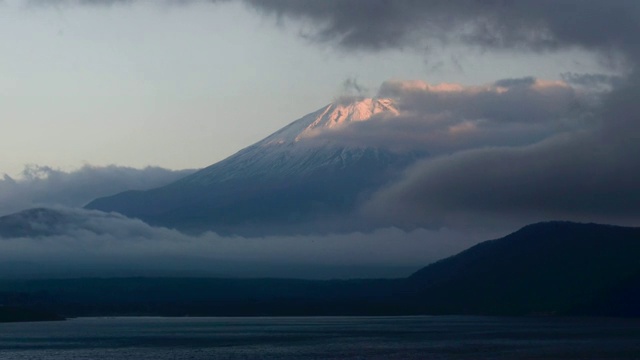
506 24
76 242
41 185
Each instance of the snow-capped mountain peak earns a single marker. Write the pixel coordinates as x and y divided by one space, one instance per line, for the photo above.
281 182
332 116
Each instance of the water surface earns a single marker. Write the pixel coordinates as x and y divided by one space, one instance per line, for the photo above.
419 337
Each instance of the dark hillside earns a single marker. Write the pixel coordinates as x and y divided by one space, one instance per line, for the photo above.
545 268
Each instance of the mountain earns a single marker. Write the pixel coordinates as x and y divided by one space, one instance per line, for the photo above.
553 268
293 180
544 268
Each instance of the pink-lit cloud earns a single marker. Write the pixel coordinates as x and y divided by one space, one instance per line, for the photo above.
445 118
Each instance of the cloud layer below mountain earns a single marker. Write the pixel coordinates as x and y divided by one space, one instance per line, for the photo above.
66 242
45 186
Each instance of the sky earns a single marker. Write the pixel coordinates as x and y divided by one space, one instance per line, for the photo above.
183 84
528 108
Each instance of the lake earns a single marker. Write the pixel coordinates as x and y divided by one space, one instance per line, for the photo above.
415 337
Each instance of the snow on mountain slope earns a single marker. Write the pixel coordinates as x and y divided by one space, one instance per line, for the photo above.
332 116
289 151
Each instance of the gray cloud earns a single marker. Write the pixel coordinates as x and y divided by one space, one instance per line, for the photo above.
507 101
75 242
351 86
525 82
591 81
42 185
512 24
351 91
589 175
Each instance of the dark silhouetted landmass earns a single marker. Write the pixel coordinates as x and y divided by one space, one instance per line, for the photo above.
545 268
555 268
17 314
206 296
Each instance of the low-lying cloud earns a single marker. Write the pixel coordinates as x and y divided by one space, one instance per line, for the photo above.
46 186
75 243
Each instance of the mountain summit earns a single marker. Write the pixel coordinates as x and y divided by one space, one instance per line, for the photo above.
285 182
332 116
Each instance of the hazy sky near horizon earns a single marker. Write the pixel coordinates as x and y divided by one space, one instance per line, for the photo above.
139 83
